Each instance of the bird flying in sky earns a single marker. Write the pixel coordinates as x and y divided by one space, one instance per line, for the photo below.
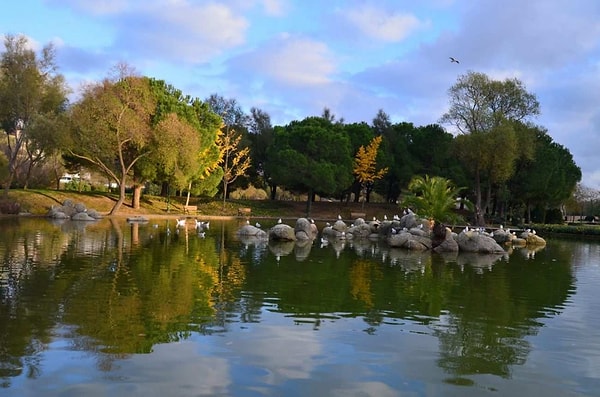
452 60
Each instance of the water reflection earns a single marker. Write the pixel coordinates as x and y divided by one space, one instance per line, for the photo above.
115 289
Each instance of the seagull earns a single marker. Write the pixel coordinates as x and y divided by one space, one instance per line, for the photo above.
180 222
452 60
279 220
258 225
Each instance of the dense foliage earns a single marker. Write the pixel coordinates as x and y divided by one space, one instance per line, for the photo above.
139 132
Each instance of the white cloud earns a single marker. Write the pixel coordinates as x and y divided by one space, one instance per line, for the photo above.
274 8
291 61
182 32
379 24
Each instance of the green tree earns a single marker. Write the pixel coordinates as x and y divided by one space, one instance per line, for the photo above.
112 126
365 163
32 98
485 110
4 173
548 180
260 133
396 155
313 156
183 153
433 197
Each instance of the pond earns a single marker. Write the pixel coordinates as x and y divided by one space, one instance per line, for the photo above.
109 308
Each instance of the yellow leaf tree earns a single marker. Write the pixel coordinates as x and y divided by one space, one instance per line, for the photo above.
235 161
365 164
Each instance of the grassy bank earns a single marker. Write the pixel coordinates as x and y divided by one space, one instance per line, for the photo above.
38 202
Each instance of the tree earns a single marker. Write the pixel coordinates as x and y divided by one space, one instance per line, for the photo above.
396 155
365 163
260 133
360 134
32 97
183 151
234 160
233 130
433 197
548 180
485 110
313 156
112 126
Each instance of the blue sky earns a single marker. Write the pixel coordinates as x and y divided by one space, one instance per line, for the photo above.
292 58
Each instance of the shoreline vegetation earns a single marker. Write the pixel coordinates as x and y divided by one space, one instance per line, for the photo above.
37 202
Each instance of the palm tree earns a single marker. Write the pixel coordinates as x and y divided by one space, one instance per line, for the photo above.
433 198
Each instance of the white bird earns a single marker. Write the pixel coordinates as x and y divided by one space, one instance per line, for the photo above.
180 222
279 220
201 234
385 217
340 217
201 225
257 225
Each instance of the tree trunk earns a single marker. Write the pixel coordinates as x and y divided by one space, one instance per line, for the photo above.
273 191
309 202
187 199
224 193
479 219
137 194
121 199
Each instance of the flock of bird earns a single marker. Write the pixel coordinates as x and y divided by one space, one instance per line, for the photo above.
200 226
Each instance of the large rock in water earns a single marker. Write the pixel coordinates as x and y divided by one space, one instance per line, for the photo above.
250 230
474 241
304 229
409 240
282 232
447 244
532 238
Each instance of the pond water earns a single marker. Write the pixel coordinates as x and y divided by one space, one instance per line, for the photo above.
117 309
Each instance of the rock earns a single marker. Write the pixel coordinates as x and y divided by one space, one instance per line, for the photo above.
531 238
283 232
362 230
340 226
303 230
81 216
447 244
331 233
251 230
95 214
408 240
474 241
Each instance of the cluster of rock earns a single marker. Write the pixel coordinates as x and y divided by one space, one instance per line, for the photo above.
408 231
304 230
72 211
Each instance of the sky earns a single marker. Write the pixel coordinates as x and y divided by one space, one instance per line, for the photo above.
293 58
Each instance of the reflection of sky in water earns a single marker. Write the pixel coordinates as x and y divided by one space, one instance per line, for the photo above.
339 357
340 354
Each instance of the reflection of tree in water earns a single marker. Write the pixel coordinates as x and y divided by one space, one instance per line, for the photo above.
478 347
115 297
490 313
